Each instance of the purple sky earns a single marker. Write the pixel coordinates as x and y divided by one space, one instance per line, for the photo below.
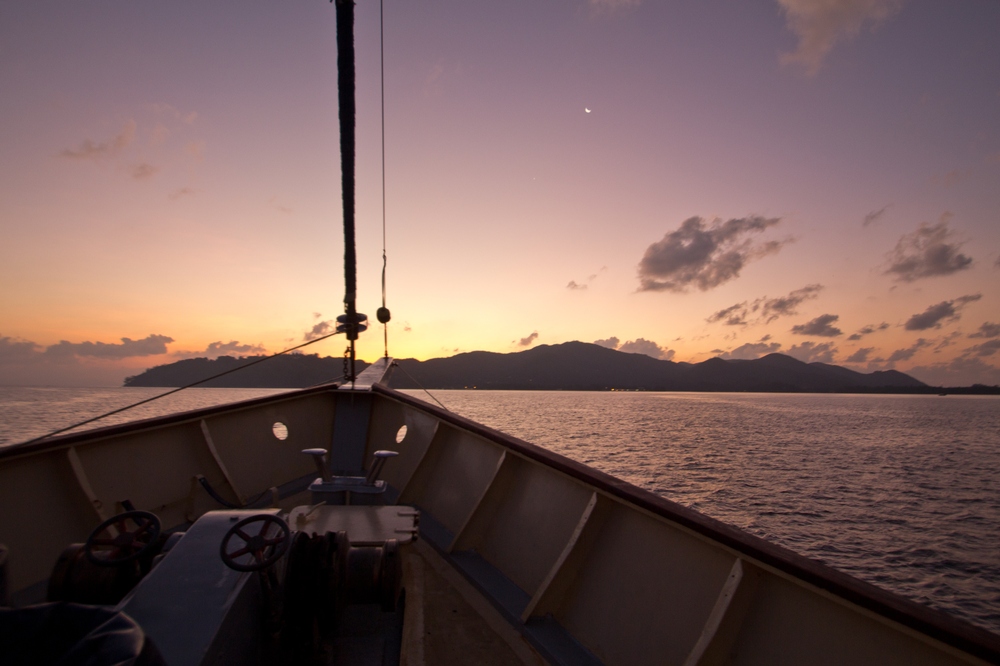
684 179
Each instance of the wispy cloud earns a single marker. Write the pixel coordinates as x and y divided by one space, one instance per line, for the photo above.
196 150
927 252
820 24
144 171
907 353
860 355
987 330
874 216
27 363
765 309
612 5
988 348
734 315
638 346
647 347
579 286
183 192
772 308
812 352
219 348
821 326
751 350
151 345
943 312
319 330
525 342
98 150
868 330
610 343
16 350
704 255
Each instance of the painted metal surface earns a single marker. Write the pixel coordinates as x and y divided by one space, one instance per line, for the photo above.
585 566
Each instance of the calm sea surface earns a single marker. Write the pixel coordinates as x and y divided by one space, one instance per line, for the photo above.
901 491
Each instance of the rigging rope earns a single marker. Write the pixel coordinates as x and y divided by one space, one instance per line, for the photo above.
421 386
383 312
186 386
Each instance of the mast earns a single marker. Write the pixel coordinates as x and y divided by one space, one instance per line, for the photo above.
351 322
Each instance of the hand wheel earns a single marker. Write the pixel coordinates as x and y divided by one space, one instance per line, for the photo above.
264 550
106 550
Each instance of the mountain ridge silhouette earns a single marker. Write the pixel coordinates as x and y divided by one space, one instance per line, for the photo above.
570 366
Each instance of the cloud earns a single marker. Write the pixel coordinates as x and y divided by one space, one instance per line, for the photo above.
524 342
159 135
219 348
637 346
907 353
704 255
811 352
610 343
751 350
613 5
926 252
987 348
820 24
94 150
773 308
769 308
946 341
860 355
821 326
961 371
935 315
26 363
144 171
874 216
24 351
647 347
151 345
18 351
319 330
182 192
171 112
196 150
574 285
734 315
987 330
868 330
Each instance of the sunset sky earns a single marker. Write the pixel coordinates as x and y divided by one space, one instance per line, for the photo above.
819 178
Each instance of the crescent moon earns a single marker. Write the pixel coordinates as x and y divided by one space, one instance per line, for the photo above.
586 109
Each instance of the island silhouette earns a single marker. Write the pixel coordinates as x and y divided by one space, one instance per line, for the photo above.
571 366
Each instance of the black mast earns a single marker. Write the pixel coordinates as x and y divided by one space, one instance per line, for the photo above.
351 322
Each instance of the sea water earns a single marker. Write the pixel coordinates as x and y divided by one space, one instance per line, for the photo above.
900 491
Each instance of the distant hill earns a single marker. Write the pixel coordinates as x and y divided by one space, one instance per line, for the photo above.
571 366
583 366
288 371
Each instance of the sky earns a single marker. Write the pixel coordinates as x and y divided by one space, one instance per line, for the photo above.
819 178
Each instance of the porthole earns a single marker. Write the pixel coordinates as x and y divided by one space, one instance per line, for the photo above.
280 430
401 434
